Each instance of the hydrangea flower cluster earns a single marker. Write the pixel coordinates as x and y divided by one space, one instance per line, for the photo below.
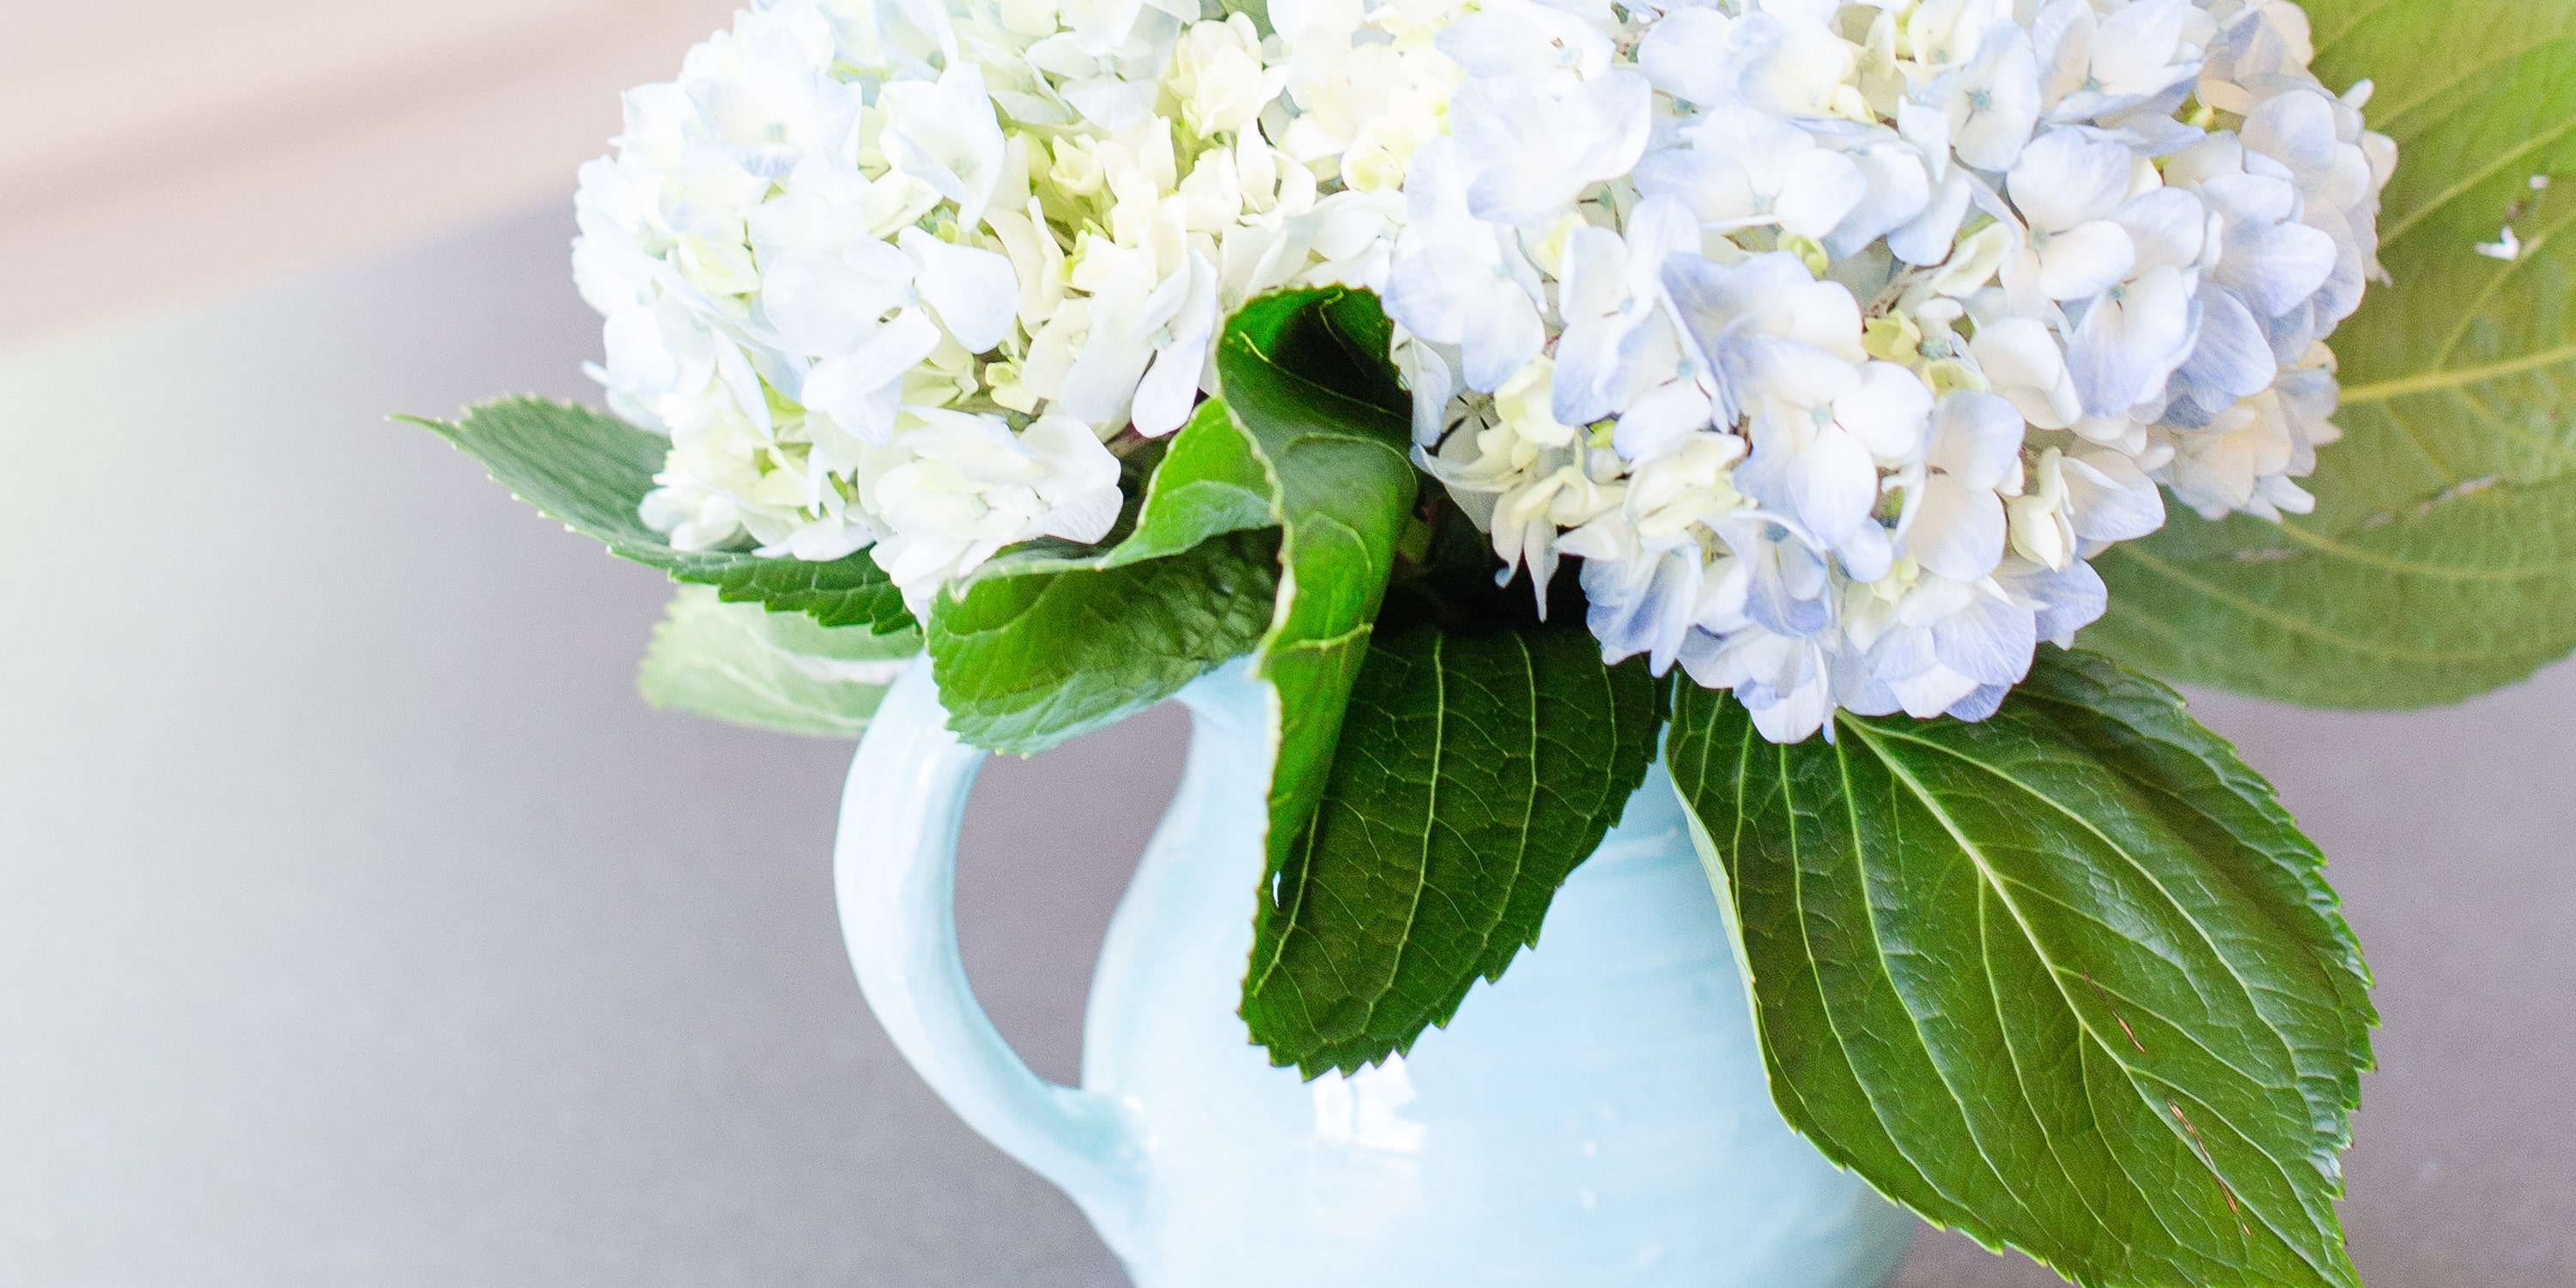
1833 336
889 274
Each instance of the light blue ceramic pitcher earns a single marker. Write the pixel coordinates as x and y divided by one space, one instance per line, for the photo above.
1598 1117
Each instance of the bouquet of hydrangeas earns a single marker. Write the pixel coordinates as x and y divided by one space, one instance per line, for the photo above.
1849 350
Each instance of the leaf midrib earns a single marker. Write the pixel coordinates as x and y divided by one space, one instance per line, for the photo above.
2057 972
2469 182
2244 986
2495 282
1976 858
2395 115
1529 801
1430 817
2169 570
2100 1043
2456 377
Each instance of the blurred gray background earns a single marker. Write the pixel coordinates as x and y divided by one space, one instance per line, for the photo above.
358 925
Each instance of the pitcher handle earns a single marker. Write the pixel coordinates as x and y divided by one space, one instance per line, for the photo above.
894 874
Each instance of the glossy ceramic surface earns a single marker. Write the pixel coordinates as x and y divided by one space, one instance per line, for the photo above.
1597 1117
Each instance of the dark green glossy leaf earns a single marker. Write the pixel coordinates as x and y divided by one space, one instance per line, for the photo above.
1307 376
1047 641
1474 773
1025 662
2441 559
745 665
2068 979
590 470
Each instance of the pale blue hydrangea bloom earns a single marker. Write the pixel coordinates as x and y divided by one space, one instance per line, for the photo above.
1971 284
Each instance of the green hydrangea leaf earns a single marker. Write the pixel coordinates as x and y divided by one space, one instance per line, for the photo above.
1047 641
591 470
746 665
2068 979
1028 660
1473 772
1308 380
2441 559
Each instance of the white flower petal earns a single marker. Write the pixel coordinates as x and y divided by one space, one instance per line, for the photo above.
2110 498
848 387
1787 372
1792 63
2233 358
1997 100
1724 308
1886 413
945 134
1897 189
1989 639
2130 341
1825 476
1795 716
1660 419
2135 47
2085 260
1170 388
1930 237
2023 363
1657 228
1429 291
2275 266
1432 378
2064 601
1714 187
2166 226
1100 387
1517 39
1976 439
1500 338
974 291
1532 153
1079 478
821 305
2068 177
1817 189
1684 54
1932 691
1958 531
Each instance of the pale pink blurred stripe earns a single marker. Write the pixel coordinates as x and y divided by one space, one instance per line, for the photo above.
160 147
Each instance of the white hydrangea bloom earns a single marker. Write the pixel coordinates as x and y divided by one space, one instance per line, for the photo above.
895 273
1833 336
